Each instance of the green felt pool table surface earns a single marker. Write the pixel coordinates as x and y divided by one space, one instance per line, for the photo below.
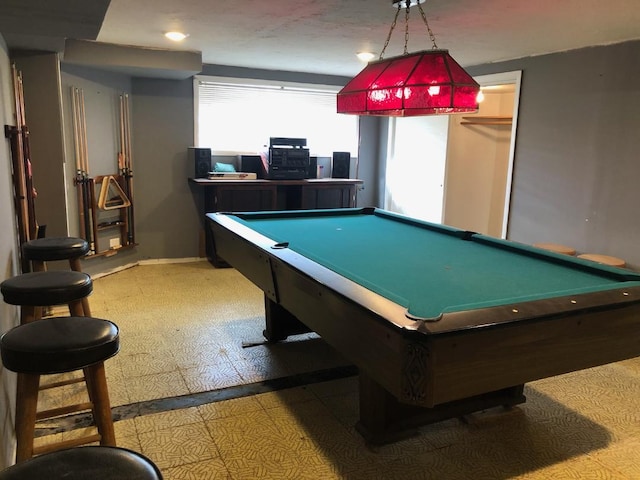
432 269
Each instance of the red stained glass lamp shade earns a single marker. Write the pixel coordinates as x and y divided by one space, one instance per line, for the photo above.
429 82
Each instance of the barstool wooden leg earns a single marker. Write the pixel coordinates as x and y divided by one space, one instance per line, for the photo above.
76 309
96 380
75 265
29 313
38 266
85 307
26 406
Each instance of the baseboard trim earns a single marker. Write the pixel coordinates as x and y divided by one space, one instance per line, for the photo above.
153 261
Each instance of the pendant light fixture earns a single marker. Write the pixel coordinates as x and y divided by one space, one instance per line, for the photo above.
428 82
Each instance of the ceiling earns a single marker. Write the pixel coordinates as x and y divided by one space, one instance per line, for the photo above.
323 36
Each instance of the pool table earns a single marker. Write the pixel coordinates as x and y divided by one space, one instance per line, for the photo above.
440 322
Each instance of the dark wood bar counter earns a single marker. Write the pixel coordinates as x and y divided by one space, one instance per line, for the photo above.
260 195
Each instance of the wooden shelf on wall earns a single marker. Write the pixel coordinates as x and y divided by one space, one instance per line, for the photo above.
487 120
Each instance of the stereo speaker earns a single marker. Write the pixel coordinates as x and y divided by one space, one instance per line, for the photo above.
312 172
201 158
341 164
252 164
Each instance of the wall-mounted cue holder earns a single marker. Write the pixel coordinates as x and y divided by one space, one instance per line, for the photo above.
105 202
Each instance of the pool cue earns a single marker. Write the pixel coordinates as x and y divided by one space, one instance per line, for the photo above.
81 174
18 174
128 167
89 197
121 153
30 190
78 180
122 169
85 167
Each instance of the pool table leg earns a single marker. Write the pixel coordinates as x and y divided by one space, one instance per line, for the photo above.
280 323
384 419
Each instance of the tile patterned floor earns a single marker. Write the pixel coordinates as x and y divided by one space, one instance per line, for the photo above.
182 328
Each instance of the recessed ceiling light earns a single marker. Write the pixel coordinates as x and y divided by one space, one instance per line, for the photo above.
365 56
176 36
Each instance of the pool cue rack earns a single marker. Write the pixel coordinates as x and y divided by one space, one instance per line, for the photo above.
105 202
23 188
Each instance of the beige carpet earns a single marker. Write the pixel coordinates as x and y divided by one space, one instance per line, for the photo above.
191 397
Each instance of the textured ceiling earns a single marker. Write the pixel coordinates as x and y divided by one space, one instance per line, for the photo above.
322 36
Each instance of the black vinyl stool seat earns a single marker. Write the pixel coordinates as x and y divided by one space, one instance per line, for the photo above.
95 463
60 345
41 289
41 250
54 249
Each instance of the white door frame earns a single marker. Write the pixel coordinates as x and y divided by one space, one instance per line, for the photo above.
507 78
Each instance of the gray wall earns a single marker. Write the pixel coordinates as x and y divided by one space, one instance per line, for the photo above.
101 92
8 259
577 159
167 214
43 113
278 75
166 220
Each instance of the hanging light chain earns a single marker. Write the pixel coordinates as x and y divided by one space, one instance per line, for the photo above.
406 26
393 25
407 7
431 35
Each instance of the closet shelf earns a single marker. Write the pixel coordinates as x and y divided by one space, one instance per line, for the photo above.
486 120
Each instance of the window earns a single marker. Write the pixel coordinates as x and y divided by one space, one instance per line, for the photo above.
240 115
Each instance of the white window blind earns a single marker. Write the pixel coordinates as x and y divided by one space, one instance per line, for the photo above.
241 115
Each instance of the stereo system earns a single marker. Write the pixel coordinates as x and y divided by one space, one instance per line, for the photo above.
287 159
201 158
341 165
253 164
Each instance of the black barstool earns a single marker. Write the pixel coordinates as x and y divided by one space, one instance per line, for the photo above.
95 463
39 251
34 291
60 345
